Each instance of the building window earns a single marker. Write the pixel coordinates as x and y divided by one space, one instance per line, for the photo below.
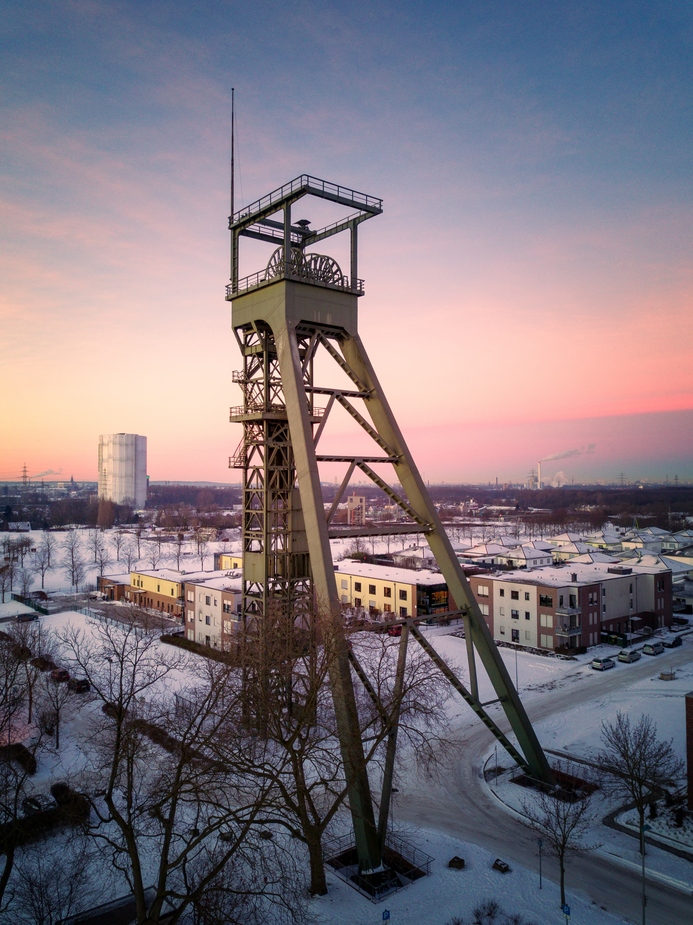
208 620
527 617
208 600
357 586
501 630
515 635
526 595
345 584
515 614
515 595
371 605
191 595
371 589
484 609
357 602
546 619
403 612
387 608
545 600
546 642
191 616
482 590
501 611
158 588
502 592
528 635
387 592
402 595
345 598
172 590
603 608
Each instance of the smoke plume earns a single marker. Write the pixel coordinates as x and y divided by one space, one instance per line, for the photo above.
583 451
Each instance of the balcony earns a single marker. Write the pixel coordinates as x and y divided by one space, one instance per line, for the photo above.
569 612
568 630
264 278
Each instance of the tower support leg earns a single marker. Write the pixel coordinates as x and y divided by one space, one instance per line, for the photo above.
328 609
458 587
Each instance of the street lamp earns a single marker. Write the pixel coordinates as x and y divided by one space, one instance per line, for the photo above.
540 843
643 828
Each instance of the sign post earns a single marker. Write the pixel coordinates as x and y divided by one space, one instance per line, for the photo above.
565 909
386 915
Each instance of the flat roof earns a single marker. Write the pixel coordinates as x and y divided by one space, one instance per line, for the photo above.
587 573
389 573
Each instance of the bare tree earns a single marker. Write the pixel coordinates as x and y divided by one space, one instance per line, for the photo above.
118 543
96 542
178 549
11 573
129 554
636 764
52 881
172 777
17 762
56 698
153 556
5 579
139 530
32 649
42 563
202 546
73 562
48 543
25 577
102 559
288 680
562 818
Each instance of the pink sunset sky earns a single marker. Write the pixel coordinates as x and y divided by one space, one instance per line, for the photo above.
528 287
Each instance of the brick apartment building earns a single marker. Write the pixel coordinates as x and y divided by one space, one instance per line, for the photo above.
573 605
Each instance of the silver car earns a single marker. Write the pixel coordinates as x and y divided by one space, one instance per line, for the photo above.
629 655
601 664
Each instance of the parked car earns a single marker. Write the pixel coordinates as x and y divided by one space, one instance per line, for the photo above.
629 655
601 664
79 685
27 617
671 642
60 674
653 648
396 630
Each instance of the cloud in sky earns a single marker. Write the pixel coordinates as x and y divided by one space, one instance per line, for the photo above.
532 265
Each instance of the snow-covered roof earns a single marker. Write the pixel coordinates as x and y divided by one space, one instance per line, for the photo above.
389 573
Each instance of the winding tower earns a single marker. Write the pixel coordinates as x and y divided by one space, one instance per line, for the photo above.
300 304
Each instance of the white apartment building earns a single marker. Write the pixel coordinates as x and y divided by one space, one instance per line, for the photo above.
123 469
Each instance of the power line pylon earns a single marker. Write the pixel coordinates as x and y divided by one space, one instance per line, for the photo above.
282 316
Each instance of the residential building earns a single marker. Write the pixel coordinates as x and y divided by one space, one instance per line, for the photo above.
572 605
356 510
161 589
384 589
213 609
123 469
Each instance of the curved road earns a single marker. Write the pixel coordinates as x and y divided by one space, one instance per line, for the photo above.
462 806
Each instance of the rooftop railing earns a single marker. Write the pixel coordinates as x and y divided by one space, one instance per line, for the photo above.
262 278
310 185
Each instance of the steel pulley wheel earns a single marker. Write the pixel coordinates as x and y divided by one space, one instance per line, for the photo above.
275 266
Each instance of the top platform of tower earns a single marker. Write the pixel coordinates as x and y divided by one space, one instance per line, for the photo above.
289 260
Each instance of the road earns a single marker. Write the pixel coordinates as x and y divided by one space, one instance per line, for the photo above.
462 806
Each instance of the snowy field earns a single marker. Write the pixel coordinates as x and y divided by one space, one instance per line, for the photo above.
567 702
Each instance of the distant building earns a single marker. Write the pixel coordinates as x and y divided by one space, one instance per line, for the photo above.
123 469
